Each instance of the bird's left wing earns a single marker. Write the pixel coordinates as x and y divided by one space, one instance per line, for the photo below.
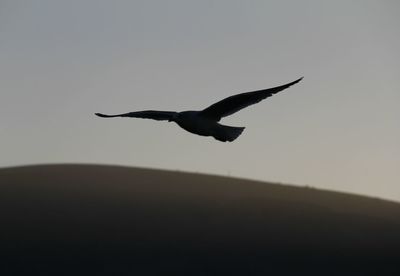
146 114
237 102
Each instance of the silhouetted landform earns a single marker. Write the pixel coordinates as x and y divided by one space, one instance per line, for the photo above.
110 220
205 122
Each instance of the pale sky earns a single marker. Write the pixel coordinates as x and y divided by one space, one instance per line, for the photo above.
338 129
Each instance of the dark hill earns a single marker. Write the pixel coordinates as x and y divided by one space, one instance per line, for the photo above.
109 220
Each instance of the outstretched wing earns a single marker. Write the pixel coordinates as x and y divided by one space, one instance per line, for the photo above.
237 102
146 114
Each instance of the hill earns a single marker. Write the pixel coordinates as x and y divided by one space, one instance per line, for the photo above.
111 220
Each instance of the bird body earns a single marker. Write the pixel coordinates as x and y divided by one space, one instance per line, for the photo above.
205 122
195 122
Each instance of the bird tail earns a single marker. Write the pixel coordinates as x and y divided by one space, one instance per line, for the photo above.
227 133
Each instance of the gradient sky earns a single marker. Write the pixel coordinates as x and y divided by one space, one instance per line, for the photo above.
338 129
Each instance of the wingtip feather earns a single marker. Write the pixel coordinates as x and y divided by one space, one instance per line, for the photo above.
101 115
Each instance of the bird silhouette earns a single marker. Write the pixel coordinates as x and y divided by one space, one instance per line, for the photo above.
205 122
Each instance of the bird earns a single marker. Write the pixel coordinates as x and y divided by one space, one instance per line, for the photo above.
205 122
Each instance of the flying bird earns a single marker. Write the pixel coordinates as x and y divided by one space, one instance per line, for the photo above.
205 122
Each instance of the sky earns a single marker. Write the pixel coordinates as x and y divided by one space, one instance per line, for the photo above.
338 129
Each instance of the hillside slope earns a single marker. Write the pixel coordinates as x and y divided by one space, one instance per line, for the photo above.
110 220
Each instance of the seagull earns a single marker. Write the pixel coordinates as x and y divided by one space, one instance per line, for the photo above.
205 122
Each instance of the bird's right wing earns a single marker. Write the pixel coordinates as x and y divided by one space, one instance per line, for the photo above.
146 114
237 102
